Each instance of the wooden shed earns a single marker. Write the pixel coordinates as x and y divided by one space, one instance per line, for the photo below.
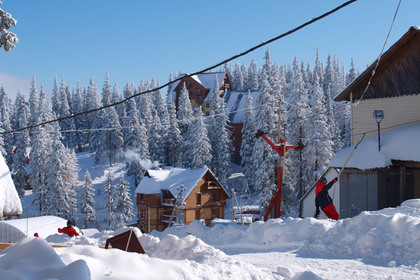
189 194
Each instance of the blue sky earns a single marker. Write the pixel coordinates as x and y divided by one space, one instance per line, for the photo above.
137 40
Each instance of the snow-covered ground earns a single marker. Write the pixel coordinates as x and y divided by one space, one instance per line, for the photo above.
381 244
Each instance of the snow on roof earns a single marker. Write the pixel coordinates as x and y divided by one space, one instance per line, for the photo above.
15 230
205 79
398 144
9 199
236 103
171 178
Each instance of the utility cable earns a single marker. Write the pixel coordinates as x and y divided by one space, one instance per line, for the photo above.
189 75
380 55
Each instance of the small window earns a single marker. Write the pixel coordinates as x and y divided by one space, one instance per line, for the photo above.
142 197
197 214
142 213
207 114
198 199
188 84
207 105
216 197
198 91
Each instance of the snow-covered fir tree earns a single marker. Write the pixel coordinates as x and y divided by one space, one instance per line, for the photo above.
5 115
7 38
61 180
157 142
263 154
110 196
112 137
33 102
219 137
319 146
79 121
21 116
174 139
122 206
297 119
185 112
41 150
87 202
197 147
247 146
253 81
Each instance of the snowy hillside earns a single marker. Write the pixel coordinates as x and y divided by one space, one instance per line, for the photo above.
373 245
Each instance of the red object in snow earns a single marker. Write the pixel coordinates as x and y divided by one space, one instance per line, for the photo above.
281 150
70 231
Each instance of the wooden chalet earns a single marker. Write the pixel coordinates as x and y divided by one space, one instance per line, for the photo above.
200 197
236 103
390 174
200 88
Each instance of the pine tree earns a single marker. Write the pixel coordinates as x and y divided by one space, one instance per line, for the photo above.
110 197
219 137
123 205
87 201
238 81
33 102
79 121
61 180
253 81
297 130
7 39
55 98
156 142
174 139
319 147
5 115
112 137
247 146
197 147
41 150
263 154
185 112
22 142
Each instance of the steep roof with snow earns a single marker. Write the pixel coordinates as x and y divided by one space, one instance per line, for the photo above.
399 144
171 178
9 200
205 79
236 103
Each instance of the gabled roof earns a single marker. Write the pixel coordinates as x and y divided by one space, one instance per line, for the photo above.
397 74
205 79
400 144
171 178
236 103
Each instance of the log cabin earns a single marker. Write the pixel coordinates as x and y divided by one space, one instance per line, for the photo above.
169 195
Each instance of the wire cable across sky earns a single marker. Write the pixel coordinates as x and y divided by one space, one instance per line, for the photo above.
192 74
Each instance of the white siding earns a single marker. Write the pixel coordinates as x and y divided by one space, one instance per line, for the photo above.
399 111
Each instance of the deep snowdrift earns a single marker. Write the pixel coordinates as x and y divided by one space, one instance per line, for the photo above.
388 239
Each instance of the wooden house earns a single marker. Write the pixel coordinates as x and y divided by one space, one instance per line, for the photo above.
236 103
200 88
196 191
384 170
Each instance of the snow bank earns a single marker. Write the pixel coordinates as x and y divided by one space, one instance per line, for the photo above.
34 258
388 236
9 200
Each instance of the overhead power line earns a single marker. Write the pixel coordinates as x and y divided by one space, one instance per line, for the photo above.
192 74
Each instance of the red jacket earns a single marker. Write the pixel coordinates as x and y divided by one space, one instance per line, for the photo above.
70 231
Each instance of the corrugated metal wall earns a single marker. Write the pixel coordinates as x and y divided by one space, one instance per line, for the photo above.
401 110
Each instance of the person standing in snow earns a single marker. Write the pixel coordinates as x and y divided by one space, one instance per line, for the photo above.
69 230
323 199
